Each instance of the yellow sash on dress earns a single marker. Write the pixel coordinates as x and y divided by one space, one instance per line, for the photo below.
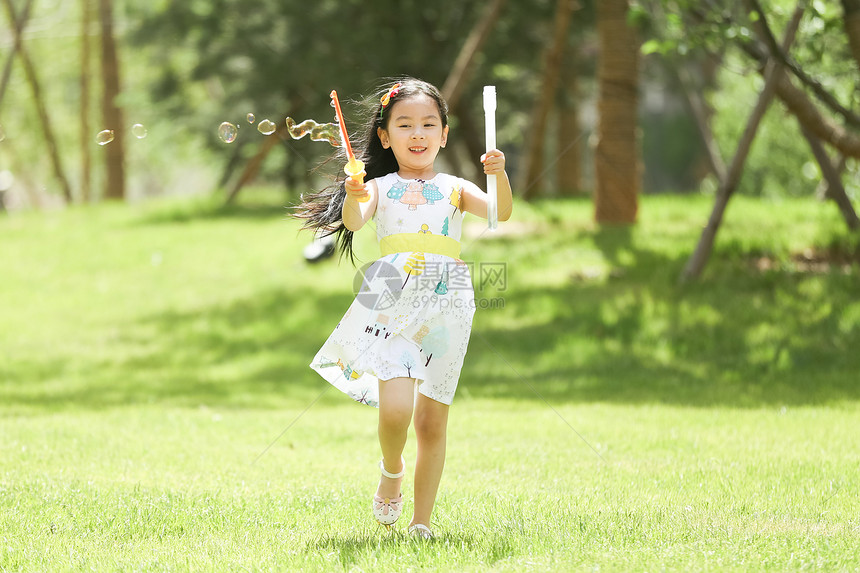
421 242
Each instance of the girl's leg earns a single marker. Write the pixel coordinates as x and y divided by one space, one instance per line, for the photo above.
431 425
396 398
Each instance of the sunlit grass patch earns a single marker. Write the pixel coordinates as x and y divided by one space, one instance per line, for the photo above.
158 412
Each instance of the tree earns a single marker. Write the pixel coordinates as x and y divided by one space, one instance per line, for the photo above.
815 103
833 188
112 115
292 53
18 23
38 99
569 131
408 362
86 132
730 183
617 153
851 20
796 99
531 181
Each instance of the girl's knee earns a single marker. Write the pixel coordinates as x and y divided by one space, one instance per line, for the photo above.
395 415
430 426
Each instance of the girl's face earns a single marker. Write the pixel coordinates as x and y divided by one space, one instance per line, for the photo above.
414 134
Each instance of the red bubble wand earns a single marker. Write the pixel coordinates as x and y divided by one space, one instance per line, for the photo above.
354 167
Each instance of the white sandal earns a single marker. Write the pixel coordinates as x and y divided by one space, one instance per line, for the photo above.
420 531
387 510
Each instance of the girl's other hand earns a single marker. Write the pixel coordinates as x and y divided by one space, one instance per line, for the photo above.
355 189
494 162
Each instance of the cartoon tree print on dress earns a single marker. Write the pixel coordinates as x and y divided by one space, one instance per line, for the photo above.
414 266
414 195
431 193
425 228
455 197
435 343
408 362
363 398
397 190
445 227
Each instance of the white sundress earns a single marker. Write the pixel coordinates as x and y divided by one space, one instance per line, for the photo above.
412 316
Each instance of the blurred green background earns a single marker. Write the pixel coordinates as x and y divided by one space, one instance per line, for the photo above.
186 67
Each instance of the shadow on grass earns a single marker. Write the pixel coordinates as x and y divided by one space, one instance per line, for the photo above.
250 353
613 241
213 208
353 548
741 338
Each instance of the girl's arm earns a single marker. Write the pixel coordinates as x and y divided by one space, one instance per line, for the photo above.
474 200
355 213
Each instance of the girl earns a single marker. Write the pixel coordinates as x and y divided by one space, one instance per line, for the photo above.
409 325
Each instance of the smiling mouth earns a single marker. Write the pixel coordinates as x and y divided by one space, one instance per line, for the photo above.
417 149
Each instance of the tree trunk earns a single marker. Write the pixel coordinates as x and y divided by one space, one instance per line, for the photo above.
823 127
569 170
699 109
822 190
852 27
41 109
472 136
616 158
111 113
773 73
532 174
835 189
456 82
17 24
253 165
232 163
86 132
460 73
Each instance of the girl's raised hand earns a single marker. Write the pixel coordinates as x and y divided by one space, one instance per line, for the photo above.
494 162
356 190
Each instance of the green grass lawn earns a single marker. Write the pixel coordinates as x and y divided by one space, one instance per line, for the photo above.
157 412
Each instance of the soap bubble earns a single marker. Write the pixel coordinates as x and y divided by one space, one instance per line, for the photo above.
227 132
104 137
138 130
266 127
318 131
251 118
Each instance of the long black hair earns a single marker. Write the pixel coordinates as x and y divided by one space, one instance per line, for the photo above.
322 210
